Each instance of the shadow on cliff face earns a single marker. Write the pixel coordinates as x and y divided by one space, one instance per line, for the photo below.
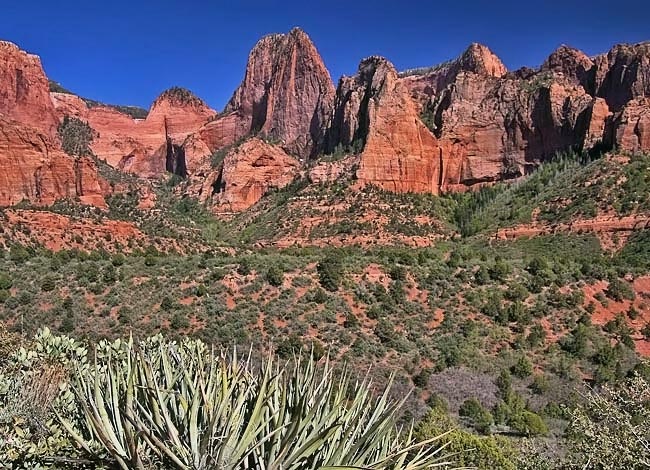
545 138
175 159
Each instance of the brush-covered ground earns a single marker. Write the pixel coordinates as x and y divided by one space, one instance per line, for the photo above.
496 306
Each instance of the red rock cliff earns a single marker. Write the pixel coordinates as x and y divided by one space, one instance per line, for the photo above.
32 165
142 147
24 89
245 175
33 168
286 94
376 117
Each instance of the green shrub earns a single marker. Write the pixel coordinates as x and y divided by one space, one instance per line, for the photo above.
179 321
68 323
480 452
610 427
274 276
118 259
18 254
619 290
125 315
200 290
5 281
421 380
330 272
244 268
48 284
500 270
539 385
167 303
481 418
289 347
522 368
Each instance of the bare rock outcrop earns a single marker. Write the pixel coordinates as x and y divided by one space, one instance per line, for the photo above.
247 172
34 169
24 89
376 117
286 94
146 147
426 83
623 74
632 126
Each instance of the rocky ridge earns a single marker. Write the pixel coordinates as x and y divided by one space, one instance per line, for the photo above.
142 147
446 128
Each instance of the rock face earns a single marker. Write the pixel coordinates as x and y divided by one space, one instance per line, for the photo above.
33 168
492 125
286 98
623 74
448 127
632 126
146 147
375 114
444 128
286 94
24 89
32 165
424 84
245 175
574 65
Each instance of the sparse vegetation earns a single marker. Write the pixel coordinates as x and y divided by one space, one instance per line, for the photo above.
503 330
76 136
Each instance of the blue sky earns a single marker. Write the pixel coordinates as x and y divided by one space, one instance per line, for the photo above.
127 52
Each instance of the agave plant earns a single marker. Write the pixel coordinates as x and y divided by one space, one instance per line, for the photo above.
182 406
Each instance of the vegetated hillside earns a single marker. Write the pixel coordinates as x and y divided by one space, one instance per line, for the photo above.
563 193
504 331
338 214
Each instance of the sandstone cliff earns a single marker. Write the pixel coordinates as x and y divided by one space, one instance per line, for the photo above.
286 94
34 169
494 125
444 128
376 117
146 147
32 165
245 175
24 89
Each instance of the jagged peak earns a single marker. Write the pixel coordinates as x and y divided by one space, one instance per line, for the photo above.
479 59
11 46
565 57
375 66
271 51
295 35
635 49
297 31
375 61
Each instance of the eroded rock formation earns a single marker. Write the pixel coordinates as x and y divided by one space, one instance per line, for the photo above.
245 175
444 128
24 89
138 146
494 125
34 169
32 165
287 93
376 116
